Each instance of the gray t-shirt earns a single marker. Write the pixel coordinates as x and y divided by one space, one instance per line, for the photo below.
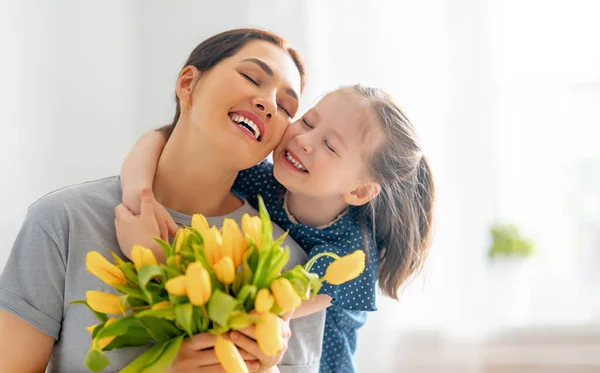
46 270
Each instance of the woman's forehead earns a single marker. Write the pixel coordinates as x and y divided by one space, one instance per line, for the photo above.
278 60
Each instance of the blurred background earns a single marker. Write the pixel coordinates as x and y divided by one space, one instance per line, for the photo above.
504 93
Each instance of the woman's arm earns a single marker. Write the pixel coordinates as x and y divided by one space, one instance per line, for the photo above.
139 168
23 348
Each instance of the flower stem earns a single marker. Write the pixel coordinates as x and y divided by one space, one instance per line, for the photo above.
310 263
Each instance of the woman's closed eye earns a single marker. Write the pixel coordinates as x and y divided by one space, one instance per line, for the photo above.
249 79
286 111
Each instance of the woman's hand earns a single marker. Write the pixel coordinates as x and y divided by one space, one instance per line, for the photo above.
140 230
245 339
197 355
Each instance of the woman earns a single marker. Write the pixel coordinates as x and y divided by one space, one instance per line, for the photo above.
46 268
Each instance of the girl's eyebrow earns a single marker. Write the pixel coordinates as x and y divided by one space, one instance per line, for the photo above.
267 69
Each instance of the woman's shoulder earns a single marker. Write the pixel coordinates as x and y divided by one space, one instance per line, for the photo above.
98 196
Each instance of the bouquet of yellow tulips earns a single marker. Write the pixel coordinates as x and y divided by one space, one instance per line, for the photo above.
213 281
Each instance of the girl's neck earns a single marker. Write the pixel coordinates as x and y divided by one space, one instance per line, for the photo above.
316 212
190 179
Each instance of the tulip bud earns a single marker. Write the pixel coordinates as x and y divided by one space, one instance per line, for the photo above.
99 344
230 358
199 287
268 334
103 302
345 268
177 286
252 227
212 245
264 301
103 269
199 223
234 243
286 297
161 305
224 270
142 256
180 237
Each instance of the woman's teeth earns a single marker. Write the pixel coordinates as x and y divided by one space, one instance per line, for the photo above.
246 124
295 162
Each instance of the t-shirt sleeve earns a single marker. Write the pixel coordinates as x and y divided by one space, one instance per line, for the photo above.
254 181
33 279
358 294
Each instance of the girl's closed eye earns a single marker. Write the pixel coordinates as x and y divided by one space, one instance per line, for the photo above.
328 145
307 124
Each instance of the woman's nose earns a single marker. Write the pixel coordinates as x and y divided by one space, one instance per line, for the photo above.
265 105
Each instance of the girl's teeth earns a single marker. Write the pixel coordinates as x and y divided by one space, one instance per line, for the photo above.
294 162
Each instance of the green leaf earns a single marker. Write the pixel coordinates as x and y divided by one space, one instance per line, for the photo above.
201 319
267 227
166 358
118 327
136 336
151 356
168 250
246 296
95 360
240 320
130 273
265 259
100 316
281 238
146 274
278 263
163 313
134 302
185 318
315 284
173 269
132 292
160 329
220 307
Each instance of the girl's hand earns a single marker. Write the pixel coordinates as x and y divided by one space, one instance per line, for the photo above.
140 230
245 339
197 354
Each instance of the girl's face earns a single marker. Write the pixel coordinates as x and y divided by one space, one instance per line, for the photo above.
324 153
244 103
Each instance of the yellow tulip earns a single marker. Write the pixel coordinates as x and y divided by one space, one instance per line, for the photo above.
252 227
286 297
141 256
177 286
99 344
345 268
199 287
97 265
268 334
224 270
161 305
230 358
180 237
234 243
103 302
212 245
264 301
199 223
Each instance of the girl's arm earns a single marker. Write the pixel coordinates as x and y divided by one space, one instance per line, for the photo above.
139 168
310 306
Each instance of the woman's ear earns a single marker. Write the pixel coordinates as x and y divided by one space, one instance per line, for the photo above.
362 194
185 85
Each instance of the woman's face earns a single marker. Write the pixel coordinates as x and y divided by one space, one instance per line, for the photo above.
245 103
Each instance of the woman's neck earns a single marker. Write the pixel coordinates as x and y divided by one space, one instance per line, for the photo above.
190 179
316 212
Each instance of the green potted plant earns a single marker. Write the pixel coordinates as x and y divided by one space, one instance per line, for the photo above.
507 241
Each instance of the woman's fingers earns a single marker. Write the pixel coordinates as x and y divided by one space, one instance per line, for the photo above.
200 341
245 343
121 212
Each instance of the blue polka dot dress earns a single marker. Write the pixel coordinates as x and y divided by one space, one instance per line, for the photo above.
350 300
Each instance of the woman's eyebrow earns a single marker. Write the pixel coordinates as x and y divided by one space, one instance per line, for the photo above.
267 69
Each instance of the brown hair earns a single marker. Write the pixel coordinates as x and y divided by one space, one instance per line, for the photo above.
215 49
401 216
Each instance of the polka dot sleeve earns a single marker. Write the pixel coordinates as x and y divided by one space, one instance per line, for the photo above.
252 181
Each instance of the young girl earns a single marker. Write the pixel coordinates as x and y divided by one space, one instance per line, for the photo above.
349 174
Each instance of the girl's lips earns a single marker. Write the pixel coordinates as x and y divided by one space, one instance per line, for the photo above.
289 164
